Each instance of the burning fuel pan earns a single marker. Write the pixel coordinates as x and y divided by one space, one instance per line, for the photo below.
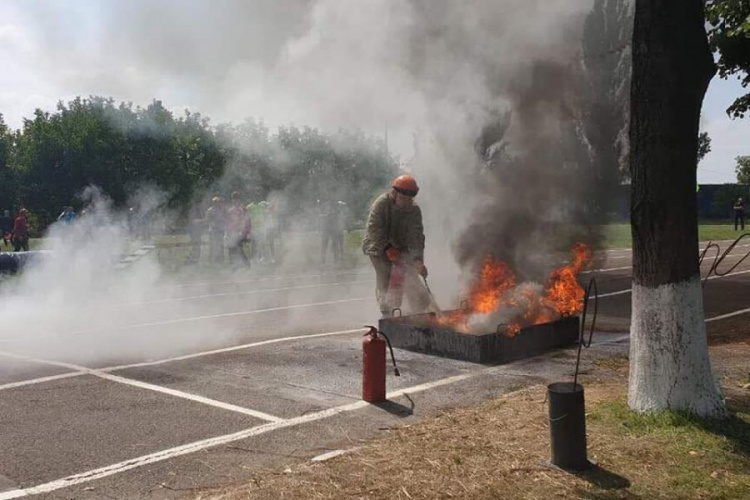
421 333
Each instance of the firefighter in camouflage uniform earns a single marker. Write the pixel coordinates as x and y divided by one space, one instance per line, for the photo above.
394 241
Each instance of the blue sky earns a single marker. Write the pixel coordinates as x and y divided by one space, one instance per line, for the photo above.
138 50
729 138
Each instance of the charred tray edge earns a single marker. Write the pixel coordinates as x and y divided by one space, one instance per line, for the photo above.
415 333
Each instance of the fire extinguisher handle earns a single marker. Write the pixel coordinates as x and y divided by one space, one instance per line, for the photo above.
373 332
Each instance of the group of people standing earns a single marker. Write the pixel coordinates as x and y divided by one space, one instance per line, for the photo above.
15 231
231 226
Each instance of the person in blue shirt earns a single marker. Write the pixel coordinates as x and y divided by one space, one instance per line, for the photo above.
68 215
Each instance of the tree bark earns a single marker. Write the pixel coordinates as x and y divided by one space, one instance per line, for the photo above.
672 66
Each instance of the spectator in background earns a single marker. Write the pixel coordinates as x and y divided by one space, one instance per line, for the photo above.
216 219
341 218
238 230
134 223
271 228
68 215
21 231
331 230
256 213
6 227
739 214
195 225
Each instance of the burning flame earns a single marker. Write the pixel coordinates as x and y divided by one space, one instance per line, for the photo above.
496 290
564 294
494 282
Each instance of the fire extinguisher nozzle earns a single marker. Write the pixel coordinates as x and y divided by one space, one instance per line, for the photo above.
398 373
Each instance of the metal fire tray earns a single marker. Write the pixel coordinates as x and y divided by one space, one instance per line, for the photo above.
420 333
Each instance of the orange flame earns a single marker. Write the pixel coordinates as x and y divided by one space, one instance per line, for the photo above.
564 294
496 289
495 280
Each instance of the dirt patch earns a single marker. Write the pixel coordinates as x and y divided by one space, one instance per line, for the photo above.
729 331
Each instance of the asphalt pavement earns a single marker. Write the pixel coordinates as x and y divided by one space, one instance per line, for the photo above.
200 383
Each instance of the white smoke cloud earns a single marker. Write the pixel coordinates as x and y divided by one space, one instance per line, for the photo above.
433 73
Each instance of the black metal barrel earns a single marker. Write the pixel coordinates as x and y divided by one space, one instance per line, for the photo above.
567 425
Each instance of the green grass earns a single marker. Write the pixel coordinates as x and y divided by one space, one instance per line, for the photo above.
34 244
698 458
718 232
609 236
618 235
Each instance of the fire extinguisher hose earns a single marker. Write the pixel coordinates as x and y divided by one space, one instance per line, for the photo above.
393 358
374 333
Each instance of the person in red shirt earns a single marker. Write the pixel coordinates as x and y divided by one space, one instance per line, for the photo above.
21 231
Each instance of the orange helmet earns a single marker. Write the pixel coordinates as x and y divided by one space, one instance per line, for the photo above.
406 185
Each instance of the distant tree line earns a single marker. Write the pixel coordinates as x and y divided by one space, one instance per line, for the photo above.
94 141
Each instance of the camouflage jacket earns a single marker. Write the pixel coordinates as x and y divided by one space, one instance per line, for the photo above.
389 226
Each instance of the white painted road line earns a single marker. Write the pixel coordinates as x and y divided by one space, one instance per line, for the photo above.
191 397
10 494
151 387
41 380
77 373
225 315
97 331
606 270
622 292
718 242
612 294
230 349
728 315
248 292
331 454
268 278
620 257
160 456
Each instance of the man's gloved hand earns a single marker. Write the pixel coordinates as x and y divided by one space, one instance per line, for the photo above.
420 267
393 254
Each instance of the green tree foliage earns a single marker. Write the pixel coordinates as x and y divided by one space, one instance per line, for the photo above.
704 145
306 164
7 177
729 34
742 169
94 142
119 148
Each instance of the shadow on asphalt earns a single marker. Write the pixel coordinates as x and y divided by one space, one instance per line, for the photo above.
397 409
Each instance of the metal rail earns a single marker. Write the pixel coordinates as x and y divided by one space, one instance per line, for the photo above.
581 341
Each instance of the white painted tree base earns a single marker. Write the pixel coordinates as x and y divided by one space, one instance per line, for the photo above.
669 364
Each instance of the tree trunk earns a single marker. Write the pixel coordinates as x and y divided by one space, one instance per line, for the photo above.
672 66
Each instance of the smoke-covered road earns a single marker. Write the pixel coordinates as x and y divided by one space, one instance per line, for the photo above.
198 384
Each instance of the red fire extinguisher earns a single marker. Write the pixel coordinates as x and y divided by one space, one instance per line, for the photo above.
373 365
395 289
